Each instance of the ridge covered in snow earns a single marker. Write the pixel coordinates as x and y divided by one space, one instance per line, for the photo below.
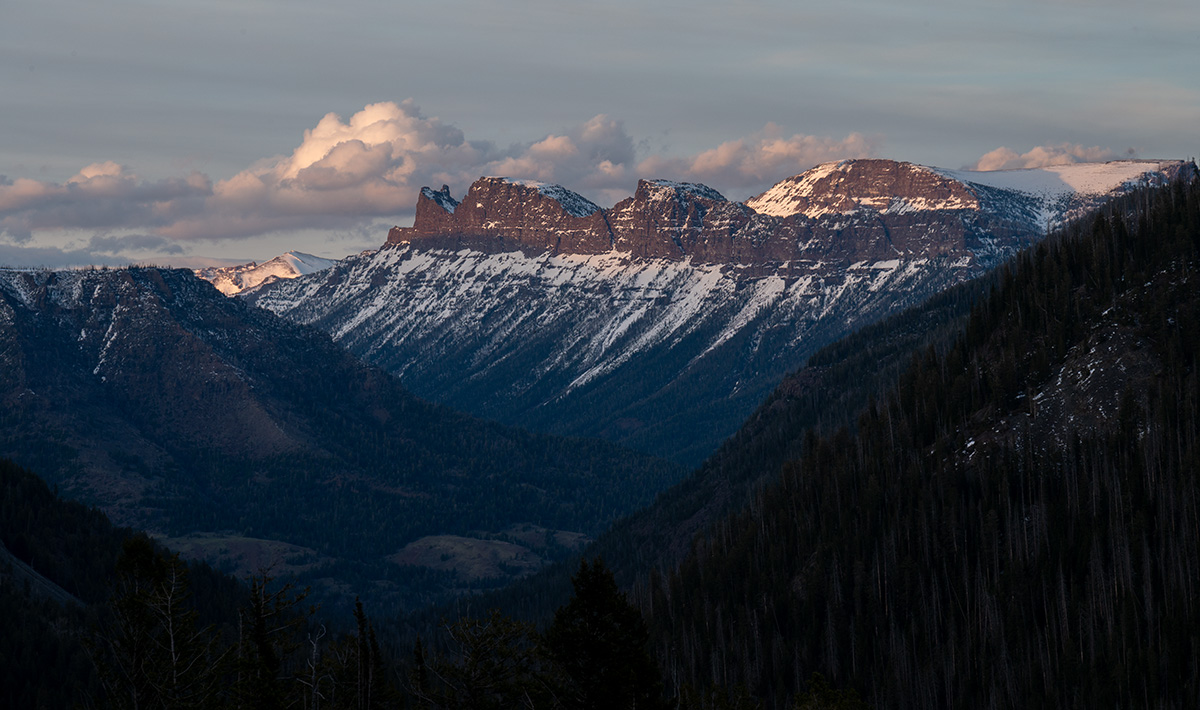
1065 191
231 280
634 350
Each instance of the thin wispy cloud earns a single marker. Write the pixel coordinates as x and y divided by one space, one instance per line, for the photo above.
1046 155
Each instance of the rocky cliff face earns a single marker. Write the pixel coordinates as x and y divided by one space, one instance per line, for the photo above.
844 212
499 213
662 322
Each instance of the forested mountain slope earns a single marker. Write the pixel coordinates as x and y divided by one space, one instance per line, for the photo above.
825 394
57 564
245 437
1014 525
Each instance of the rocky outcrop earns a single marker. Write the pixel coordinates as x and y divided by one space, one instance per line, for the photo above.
671 220
502 214
838 213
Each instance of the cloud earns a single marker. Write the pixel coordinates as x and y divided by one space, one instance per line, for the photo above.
71 255
374 164
117 245
596 157
1045 155
348 173
760 159
100 196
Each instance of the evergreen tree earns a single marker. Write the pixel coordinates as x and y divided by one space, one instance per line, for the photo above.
600 642
495 664
267 639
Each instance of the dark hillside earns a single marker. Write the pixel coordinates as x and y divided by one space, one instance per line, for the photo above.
242 436
1014 525
57 561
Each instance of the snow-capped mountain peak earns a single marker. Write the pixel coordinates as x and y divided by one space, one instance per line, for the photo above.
670 189
440 197
231 280
849 185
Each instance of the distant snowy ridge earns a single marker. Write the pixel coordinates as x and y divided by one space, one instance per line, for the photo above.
1066 191
612 345
668 189
231 280
844 187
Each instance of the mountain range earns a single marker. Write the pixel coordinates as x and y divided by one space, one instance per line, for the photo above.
662 322
988 499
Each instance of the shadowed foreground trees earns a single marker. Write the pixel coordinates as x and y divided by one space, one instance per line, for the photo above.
600 642
150 652
595 655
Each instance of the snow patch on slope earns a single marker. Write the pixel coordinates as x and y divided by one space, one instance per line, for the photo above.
547 325
441 198
785 197
1063 192
575 204
667 189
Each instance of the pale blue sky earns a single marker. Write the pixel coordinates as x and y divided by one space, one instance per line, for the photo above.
223 89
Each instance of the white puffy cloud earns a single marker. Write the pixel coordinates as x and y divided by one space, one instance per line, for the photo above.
374 164
347 173
1045 155
759 160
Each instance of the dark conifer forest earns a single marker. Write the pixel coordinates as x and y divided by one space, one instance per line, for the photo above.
1016 524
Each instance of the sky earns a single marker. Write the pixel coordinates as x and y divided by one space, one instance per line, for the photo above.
189 133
